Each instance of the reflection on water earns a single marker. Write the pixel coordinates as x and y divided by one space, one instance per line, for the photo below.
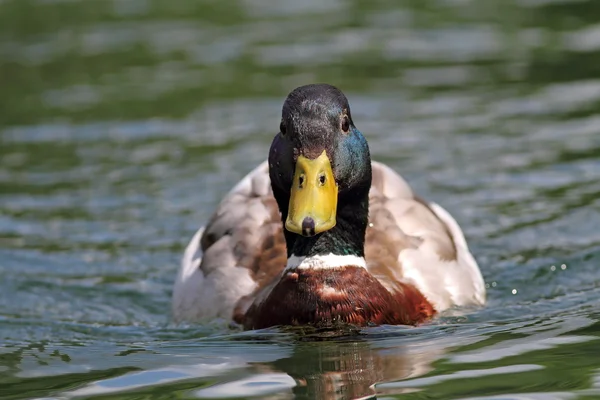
123 123
386 362
322 369
349 369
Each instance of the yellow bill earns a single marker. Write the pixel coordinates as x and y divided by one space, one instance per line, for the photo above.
313 199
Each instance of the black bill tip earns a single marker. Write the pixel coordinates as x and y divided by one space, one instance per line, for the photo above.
308 227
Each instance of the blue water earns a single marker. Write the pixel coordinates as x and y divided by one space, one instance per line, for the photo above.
123 123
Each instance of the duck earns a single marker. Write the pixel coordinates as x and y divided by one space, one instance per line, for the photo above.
319 234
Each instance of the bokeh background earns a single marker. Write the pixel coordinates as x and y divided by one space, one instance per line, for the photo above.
124 122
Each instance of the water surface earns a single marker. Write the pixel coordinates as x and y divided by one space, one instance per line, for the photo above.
123 123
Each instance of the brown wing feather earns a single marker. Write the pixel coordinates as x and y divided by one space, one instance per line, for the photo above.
239 251
263 252
272 255
384 239
446 248
383 243
413 241
250 219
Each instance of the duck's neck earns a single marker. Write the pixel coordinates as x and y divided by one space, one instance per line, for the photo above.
342 244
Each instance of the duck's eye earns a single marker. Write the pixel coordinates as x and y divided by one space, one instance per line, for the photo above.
282 128
345 124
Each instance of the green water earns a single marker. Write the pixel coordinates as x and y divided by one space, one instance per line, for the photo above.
123 123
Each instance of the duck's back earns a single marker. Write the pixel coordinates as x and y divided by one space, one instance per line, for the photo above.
242 249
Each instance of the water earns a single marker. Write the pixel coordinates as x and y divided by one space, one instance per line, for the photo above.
122 124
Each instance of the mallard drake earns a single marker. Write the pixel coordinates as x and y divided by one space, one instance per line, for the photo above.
319 234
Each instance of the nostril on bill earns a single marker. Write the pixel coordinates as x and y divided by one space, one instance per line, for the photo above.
308 226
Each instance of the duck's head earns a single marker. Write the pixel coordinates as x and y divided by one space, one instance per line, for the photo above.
320 171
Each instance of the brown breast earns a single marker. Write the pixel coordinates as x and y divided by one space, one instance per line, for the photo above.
338 295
